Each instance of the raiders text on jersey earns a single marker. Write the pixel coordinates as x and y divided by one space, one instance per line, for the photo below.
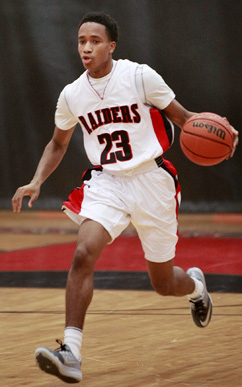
111 115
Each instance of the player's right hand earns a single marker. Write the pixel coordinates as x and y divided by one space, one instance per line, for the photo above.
31 189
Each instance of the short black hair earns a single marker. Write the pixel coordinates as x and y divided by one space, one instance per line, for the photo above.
104 19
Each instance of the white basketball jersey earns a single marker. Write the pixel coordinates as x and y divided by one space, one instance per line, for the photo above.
120 132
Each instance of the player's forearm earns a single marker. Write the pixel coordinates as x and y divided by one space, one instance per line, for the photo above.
180 121
177 113
51 158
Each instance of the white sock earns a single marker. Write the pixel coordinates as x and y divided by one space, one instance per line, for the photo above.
198 291
73 338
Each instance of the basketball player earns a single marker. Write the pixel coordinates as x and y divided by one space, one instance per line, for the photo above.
126 112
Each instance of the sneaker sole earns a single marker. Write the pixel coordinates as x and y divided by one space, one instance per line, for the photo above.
47 364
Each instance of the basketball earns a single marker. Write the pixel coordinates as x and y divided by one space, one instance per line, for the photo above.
206 139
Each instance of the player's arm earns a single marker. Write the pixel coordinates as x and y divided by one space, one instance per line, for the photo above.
177 113
50 159
153 91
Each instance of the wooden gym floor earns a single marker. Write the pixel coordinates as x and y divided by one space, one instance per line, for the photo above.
131 338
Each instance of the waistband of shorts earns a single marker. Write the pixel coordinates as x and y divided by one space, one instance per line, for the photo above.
143 168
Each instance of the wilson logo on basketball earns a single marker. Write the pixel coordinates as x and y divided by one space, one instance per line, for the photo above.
211 129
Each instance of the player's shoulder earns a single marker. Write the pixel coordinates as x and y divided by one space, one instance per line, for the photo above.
74 85
123 63
138 67
77 81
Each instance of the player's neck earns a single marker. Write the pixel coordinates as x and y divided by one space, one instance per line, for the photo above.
99 85
104 77
102 72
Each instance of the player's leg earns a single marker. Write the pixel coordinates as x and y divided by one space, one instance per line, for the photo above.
92 238
65 362
169 280
159 195
98 199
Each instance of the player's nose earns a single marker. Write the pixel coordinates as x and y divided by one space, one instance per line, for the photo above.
87 47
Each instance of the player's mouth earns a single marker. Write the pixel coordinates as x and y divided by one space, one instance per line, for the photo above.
86 60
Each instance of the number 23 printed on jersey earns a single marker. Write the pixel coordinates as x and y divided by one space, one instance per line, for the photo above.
117 147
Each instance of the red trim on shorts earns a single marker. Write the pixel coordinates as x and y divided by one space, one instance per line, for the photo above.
170 167
87 174
160 129
75 199
172 170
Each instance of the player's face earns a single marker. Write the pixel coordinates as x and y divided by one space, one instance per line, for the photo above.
95 49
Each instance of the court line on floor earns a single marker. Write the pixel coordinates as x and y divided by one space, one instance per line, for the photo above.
131 312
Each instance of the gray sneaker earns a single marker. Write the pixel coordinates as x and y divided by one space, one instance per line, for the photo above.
60 362
201 307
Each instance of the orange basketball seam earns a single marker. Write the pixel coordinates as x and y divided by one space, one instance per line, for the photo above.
204 157
206 138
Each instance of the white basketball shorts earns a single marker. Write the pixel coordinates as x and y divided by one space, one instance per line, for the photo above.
148 200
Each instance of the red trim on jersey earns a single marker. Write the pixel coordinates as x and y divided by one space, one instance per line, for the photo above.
160 129
75 199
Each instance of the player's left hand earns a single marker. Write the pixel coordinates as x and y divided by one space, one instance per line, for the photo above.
235 139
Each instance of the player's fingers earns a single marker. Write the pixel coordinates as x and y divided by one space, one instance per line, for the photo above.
225 118
17 202
33 198
18 198
235 132
236 140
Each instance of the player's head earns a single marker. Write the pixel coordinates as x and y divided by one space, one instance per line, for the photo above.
97 37
110 24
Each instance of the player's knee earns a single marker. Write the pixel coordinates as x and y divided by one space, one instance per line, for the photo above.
162 288
83 258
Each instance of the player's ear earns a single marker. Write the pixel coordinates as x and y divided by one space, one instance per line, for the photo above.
112 47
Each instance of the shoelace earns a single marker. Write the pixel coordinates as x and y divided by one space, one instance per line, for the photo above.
67 355
62 347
